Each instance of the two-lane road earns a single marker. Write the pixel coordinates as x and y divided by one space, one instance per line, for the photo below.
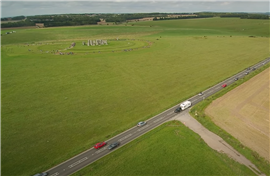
82 160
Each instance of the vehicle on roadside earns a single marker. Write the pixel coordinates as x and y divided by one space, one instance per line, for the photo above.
113 145
200 93
42 174
99 145
224 85
141 124
246 73
254 69
183 106
236 79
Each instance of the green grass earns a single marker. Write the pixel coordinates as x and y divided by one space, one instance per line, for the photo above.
171 149
56 106
206 121
211 26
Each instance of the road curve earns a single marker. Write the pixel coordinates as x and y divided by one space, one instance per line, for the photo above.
87 157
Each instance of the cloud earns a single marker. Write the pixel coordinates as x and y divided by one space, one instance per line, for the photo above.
28 8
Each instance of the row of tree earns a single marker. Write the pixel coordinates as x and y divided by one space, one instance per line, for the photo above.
245 15
17 24
183 17
13 18
55 20
86 19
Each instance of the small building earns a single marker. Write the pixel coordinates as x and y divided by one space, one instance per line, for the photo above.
40 25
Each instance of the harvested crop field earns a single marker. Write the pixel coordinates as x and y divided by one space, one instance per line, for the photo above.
244 113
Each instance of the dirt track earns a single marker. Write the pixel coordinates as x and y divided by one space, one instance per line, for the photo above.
214 141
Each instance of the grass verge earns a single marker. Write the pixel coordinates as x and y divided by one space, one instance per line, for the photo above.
170 149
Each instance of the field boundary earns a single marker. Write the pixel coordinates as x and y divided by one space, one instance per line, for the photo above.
197 111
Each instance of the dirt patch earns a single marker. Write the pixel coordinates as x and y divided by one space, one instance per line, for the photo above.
244 113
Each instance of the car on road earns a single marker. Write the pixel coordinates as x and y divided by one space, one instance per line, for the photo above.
177 110
236 79
200 93
42 174
224 85
113 145
141 124
246 73
99 145
254 69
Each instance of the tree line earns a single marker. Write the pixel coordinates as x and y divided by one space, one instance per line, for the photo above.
88 19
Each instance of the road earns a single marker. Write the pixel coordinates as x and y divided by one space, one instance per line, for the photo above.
84 159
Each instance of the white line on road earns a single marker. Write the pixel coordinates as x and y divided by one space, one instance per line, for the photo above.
210 91
125 137
170 113
78 162
158 119
143 127
100 150
55 174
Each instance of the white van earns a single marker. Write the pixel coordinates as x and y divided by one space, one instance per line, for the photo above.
185 105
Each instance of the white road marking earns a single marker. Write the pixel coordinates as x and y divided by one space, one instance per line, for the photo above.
125 137
170 113
210 91
55 174
78 162
143 127
158 119
100 150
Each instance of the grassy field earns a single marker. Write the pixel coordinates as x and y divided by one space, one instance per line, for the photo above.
56 106
244 113
171 149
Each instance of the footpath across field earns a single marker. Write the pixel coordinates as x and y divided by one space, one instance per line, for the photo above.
244 113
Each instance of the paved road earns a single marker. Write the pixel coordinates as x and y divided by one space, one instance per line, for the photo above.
82 160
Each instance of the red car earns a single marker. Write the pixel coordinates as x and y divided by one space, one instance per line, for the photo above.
100 144
224 85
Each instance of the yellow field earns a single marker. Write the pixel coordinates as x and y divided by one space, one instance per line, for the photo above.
244 113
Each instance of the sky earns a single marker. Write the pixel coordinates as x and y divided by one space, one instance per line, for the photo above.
11 8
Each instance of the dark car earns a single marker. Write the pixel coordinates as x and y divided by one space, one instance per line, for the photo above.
177 110
254 69
41 174
99 145
113 145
